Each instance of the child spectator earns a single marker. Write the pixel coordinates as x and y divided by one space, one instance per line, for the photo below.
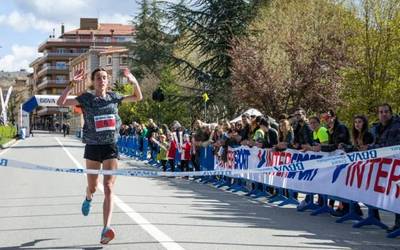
186 153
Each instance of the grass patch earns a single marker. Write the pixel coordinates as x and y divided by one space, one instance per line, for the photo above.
7 133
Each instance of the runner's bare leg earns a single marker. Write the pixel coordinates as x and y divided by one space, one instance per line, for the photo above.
108 183
92 179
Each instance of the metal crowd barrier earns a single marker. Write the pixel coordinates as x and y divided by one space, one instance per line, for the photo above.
138 148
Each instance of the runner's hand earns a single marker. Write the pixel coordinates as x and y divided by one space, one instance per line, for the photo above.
128 74
78 76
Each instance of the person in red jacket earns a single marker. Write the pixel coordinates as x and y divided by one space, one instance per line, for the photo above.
173 146
186 153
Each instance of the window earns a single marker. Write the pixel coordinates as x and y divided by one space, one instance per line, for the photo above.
81 50
109 60
121 38
60 79
124 60
61 65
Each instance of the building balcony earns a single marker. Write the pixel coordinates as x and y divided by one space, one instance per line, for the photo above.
36 61
51 83
49 57
53 70
114 66
83 42
61 54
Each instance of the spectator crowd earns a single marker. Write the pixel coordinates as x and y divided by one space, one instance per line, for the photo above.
325 133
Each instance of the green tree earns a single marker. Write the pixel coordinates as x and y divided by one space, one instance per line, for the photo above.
375 78
177 103
208 28
174 107
151 53
152 46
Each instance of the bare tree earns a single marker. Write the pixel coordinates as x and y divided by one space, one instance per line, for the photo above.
295 59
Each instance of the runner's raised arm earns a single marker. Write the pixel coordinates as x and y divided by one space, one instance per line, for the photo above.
62 100
137 92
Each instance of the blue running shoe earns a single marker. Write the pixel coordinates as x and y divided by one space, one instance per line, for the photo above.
86 207
107 235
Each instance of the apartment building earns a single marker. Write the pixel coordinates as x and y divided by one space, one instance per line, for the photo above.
51 71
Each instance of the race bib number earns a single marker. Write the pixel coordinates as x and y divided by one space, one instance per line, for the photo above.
105 122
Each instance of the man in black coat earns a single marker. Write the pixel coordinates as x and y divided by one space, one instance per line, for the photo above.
387 133
302 131
338 134
337 131
270 134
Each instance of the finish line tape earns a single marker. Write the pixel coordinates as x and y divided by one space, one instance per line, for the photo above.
329 161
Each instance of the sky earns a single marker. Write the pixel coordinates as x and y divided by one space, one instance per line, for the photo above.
24 24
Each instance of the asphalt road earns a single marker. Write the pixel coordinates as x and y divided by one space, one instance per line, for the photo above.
41 210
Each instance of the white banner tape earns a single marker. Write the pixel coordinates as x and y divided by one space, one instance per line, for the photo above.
324 162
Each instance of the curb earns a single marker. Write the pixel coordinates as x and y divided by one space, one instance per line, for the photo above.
8 144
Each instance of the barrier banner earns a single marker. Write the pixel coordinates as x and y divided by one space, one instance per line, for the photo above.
371 177
367 178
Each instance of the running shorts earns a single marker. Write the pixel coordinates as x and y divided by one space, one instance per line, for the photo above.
100 153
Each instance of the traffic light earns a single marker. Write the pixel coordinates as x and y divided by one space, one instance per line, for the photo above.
158 95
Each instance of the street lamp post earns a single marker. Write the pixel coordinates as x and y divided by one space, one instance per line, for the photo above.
205 103
207 79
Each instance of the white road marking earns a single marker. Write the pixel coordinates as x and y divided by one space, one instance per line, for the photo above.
156 233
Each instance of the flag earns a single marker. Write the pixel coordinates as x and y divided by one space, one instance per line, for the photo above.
205 97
